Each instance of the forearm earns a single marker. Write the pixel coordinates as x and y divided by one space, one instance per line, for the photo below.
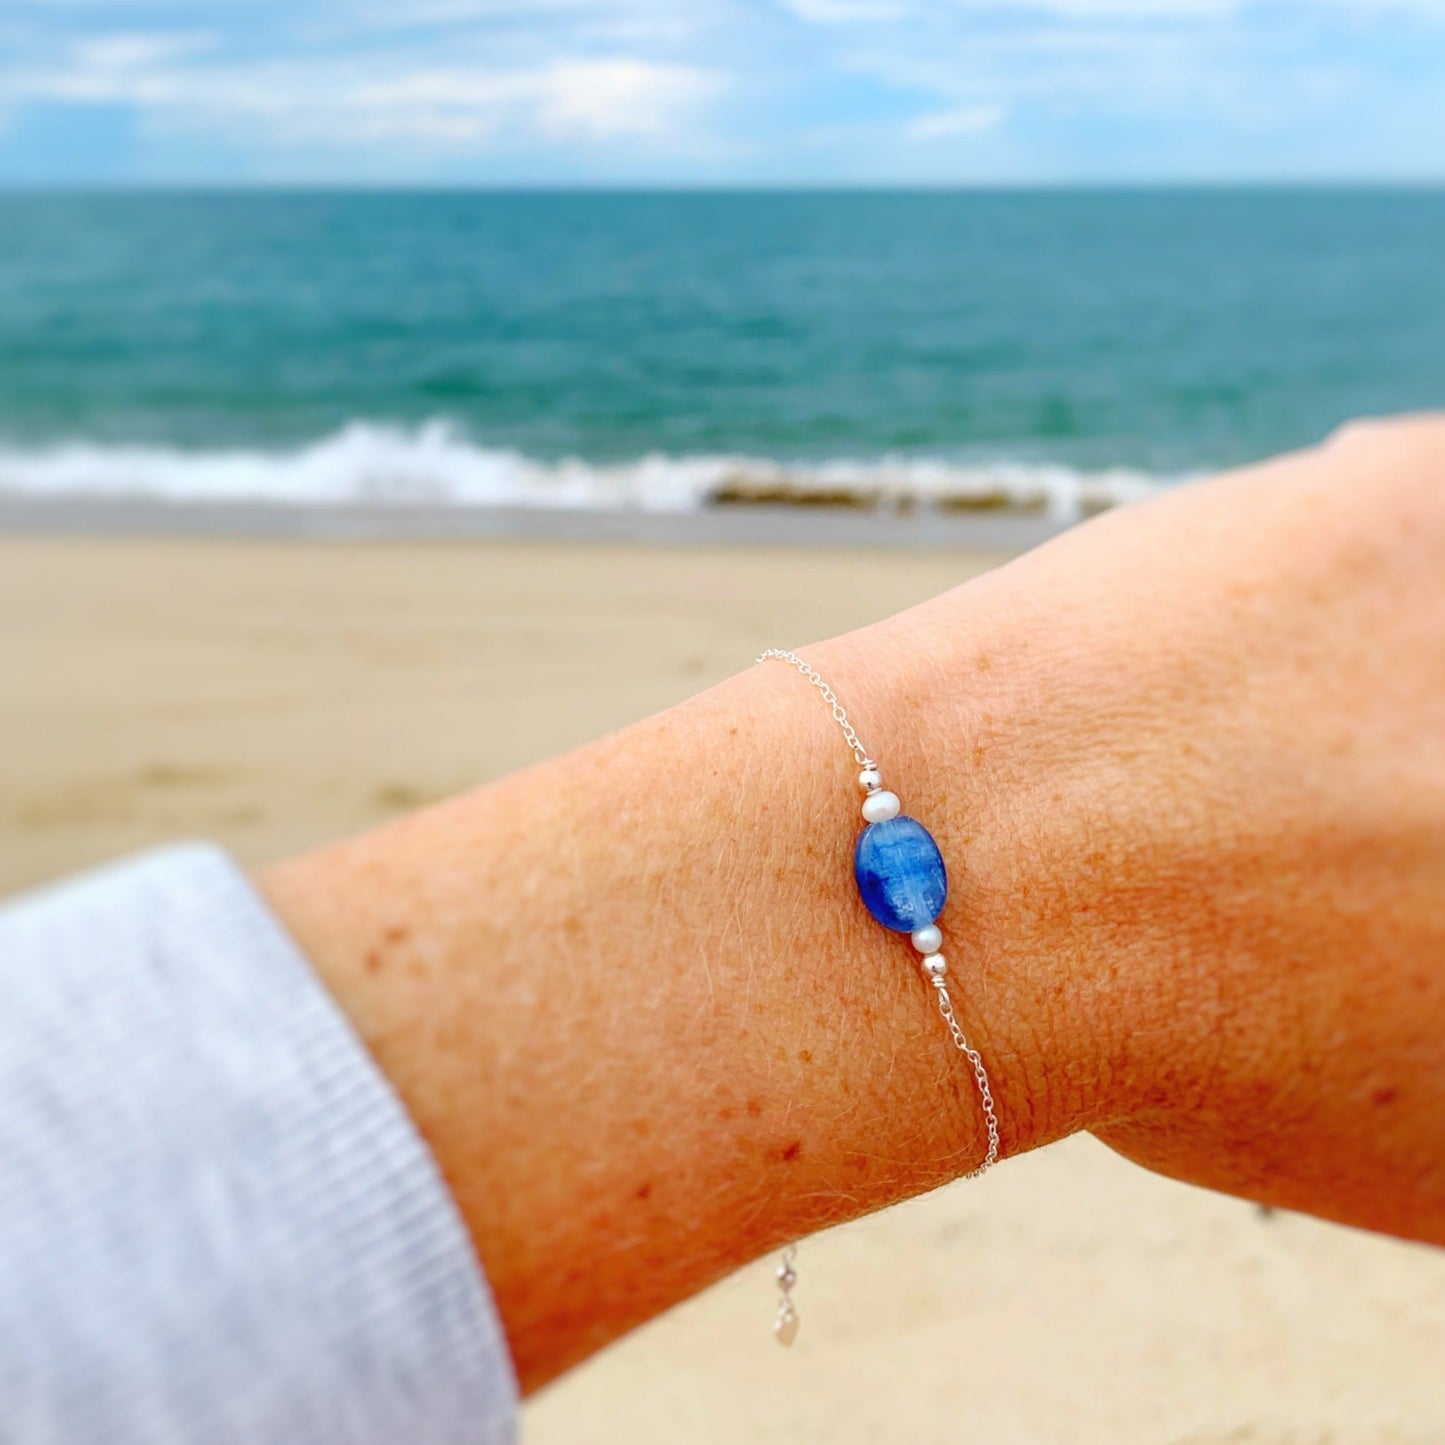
634 1003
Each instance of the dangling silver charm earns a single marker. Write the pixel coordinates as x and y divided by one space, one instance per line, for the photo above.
785 1327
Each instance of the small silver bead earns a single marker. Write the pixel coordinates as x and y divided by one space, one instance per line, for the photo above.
870 780
935 965
880 807
928 939
787 1277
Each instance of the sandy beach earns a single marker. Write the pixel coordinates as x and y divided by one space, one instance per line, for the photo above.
270 694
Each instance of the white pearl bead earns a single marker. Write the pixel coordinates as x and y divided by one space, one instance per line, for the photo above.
880 807
935 965
929 939
870 779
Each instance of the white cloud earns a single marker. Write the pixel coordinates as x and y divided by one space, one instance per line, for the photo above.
1116 67
589 99
139 51
109 67
847 12
960 120
626 25
604 99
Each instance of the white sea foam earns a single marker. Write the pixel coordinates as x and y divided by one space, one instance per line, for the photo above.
435 464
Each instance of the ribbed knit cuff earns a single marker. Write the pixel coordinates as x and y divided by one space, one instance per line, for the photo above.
217 1222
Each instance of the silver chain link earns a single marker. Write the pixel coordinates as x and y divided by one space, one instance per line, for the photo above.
860 753
980 1074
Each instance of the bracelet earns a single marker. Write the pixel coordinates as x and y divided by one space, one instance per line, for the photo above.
903 883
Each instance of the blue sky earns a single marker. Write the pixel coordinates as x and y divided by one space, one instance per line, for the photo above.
720 91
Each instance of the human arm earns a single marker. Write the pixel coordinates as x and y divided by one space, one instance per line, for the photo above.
1184 766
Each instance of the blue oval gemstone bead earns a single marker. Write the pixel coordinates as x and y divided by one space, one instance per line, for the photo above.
900 874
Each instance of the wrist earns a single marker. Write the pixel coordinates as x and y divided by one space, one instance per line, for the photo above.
955 695
633 1001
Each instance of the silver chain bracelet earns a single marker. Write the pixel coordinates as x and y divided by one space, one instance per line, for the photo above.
903 883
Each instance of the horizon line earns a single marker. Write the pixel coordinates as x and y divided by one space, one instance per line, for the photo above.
17 186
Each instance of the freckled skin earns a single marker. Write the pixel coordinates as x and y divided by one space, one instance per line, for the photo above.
1186 771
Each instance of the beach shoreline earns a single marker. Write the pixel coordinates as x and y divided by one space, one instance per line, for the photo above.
981 530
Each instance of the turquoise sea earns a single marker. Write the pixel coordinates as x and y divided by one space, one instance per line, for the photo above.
673 350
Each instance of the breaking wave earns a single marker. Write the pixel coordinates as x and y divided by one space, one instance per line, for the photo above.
435 464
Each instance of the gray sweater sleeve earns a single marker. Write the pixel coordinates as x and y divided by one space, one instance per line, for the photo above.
217 1223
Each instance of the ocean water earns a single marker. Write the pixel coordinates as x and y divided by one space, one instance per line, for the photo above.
669 352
